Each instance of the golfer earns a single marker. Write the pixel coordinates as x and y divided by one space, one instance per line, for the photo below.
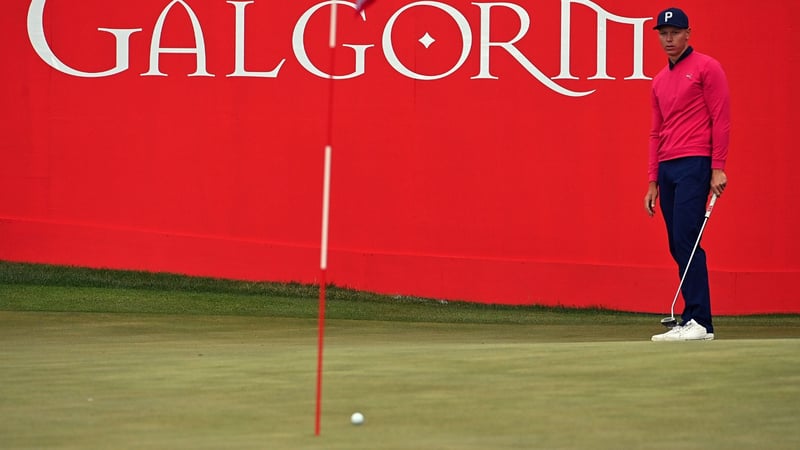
688 150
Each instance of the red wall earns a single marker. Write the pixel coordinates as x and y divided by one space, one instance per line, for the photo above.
487 181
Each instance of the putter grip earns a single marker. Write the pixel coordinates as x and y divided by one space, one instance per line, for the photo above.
711 205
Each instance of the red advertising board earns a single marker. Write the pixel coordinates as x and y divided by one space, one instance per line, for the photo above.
482 151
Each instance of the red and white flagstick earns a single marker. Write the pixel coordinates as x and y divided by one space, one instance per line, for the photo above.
323 265
326 201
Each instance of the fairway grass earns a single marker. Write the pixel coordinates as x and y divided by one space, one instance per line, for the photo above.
167 381
100 359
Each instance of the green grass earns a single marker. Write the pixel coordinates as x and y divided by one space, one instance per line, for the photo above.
29 287
104 359
35 287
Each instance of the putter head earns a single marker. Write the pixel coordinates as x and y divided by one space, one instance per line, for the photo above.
669 322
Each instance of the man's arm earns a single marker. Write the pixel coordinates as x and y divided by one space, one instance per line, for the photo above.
652 156
717 98
650 198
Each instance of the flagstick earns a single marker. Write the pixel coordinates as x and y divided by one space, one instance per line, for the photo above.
326 191
323 265
332 40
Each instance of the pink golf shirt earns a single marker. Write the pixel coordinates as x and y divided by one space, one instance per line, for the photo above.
691 113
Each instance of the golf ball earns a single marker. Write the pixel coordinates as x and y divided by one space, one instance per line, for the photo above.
357 418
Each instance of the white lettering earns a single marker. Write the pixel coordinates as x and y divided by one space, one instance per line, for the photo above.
239 70
199 42
42 48
513 51
486 45
463 26
298 44
603 17
667 16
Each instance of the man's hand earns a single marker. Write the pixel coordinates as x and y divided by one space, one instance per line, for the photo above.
650 198
718 181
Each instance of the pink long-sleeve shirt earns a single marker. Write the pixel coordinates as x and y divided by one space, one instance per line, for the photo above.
691 112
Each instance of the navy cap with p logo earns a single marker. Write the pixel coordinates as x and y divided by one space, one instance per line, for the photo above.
672 17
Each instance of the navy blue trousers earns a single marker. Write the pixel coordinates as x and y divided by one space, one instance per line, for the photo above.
684 185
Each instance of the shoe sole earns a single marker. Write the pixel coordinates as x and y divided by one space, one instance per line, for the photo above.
707 337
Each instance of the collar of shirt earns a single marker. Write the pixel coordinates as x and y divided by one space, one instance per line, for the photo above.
683 56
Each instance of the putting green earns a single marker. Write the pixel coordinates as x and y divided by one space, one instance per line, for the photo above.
74 380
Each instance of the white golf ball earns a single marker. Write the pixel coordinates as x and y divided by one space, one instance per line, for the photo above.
357 418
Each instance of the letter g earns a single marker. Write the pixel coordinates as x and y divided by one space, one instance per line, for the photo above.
40 45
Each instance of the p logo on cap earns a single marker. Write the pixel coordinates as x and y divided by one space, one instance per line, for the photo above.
672 17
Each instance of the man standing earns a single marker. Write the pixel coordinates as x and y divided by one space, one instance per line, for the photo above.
688 149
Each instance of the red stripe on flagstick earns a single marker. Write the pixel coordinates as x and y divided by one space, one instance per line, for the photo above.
320 346
323 264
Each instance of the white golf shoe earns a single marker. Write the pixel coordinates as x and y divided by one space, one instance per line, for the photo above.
690 331
669 335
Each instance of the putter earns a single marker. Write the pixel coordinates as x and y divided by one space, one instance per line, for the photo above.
671 322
